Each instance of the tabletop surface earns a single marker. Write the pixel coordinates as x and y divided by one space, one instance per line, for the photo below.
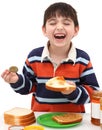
84 125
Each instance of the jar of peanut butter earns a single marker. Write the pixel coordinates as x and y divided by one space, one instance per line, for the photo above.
95 107
101 113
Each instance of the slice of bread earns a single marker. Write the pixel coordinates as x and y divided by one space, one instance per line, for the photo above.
58 84
18 112
19 116
67 118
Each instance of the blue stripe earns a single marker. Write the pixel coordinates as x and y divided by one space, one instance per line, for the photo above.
83 60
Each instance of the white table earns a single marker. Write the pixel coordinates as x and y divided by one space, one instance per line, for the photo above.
84 125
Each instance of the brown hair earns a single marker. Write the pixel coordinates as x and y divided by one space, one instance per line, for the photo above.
61 9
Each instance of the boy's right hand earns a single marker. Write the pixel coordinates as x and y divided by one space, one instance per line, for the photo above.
9 77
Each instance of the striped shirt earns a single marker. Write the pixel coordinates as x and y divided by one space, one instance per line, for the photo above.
39 68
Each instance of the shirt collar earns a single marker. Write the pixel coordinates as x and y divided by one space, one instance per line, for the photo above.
71 54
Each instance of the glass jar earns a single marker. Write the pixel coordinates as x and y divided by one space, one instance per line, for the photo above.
95 107
101 113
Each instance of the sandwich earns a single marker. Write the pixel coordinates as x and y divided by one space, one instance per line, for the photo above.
67 118
58 83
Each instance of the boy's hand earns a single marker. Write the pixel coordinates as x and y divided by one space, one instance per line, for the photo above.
9 77
69 89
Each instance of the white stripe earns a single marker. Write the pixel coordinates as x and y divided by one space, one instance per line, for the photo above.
34 58
76 100
29 70
23 85
30 86
52 100
88 98
45 80
56 100
41 80
87 72
83 60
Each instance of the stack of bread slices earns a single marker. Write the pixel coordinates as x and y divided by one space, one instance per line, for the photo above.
19 116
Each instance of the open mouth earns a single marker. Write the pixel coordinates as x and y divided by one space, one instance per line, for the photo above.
59 36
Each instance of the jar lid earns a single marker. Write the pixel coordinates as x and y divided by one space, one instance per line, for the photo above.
97 93
35 127
14 127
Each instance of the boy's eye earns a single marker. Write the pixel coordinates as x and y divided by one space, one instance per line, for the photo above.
52 23
66 23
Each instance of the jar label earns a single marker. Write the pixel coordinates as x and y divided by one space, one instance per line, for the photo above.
100 116
95 112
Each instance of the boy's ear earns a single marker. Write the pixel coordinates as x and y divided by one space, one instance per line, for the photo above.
76 30
44 30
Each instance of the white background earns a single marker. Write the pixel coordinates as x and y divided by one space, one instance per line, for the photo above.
20 32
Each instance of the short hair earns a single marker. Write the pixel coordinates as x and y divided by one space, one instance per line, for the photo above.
61 9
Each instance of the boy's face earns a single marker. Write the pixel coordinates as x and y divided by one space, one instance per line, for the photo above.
60 30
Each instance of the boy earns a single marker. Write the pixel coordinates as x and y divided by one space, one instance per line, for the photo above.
58 58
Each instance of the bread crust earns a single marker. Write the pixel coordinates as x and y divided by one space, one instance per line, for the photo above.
58 83
68 118
6 115
25 123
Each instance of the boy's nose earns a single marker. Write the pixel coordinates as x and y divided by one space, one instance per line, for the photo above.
59 27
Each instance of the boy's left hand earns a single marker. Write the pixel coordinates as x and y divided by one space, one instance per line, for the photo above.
69 89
